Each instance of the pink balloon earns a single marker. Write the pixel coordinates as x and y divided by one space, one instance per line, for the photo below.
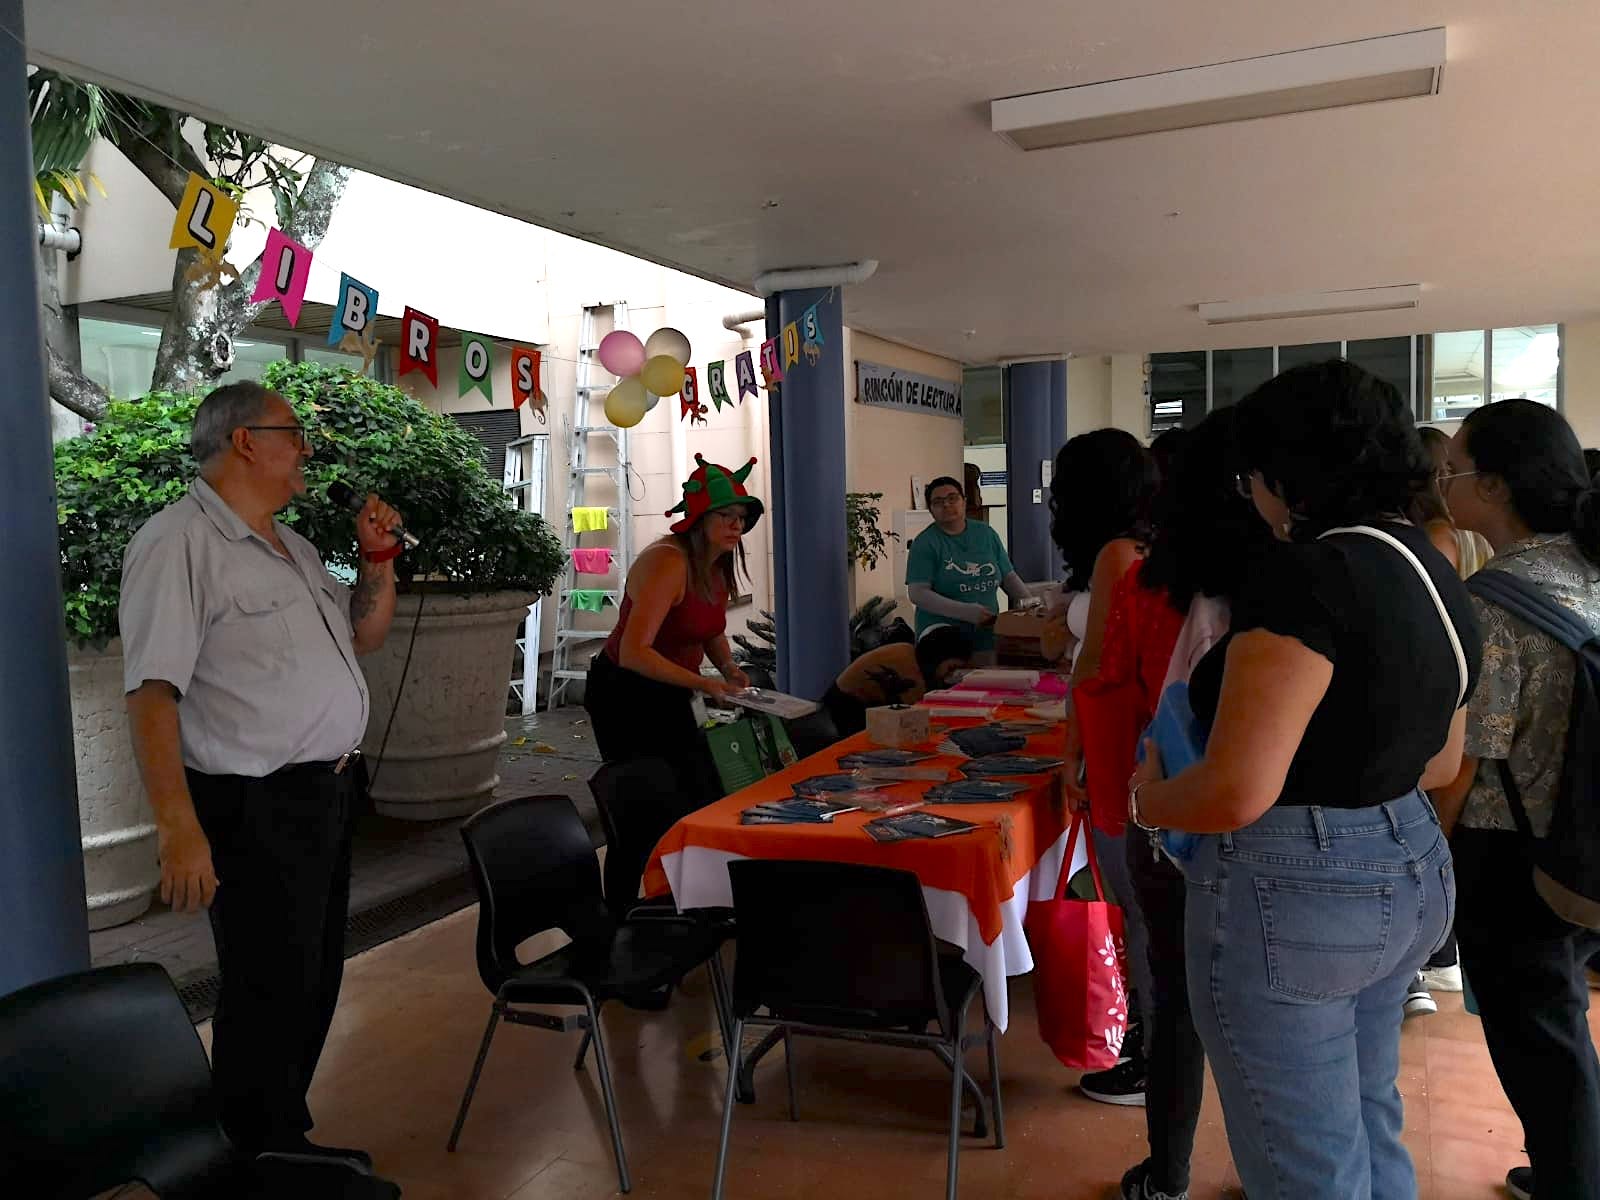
621 353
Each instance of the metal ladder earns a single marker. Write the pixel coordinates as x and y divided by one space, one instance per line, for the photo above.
526 469
565 666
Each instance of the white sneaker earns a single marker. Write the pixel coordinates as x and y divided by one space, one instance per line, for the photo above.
1443 979
1418 1001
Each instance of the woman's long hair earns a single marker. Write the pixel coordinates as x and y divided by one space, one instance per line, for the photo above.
1205 532
704 569
1429 504
1534 450
1100 491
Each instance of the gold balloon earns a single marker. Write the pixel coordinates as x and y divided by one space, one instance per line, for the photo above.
662 375
626 404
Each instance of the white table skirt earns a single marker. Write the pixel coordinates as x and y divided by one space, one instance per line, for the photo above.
699 879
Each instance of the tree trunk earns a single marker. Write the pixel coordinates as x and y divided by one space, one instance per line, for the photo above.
197 339
69 386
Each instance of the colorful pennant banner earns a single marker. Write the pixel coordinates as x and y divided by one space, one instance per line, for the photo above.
791 345
689 398
771 372
717 384
285 271
525 379
355 310
419 344
744 367
205 218
477 365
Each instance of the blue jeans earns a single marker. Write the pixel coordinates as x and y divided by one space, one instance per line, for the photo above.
1304 930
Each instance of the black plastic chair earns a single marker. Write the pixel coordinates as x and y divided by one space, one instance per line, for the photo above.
638 802
846 951
104 1082
535 870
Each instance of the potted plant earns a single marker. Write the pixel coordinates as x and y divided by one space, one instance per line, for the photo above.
480 565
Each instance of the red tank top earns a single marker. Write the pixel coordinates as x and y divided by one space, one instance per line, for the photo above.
687 627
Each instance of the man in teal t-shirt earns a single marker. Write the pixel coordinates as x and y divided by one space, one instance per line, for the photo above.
956 568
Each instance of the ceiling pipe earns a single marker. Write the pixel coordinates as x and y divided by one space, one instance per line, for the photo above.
795 278
734 321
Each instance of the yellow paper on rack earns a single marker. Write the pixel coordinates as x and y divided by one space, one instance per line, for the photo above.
589 520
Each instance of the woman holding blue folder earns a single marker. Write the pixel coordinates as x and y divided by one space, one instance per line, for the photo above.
1324 882
1166 612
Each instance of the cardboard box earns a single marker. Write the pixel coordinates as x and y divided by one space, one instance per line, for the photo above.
898 725
1029 638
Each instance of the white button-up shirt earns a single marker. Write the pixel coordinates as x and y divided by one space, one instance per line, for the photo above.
260 648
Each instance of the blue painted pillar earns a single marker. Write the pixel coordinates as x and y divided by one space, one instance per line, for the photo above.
41 862
811 584
1036 413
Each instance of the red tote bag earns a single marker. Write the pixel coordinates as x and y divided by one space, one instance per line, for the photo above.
1078 968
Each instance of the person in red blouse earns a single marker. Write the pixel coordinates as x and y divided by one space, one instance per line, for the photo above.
1166 611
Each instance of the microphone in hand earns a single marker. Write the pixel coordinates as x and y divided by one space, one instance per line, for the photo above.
343 495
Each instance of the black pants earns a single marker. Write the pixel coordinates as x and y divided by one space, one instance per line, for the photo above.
637 717
1525 966
281 849
1175 1062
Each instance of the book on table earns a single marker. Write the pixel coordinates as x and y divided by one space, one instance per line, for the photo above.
975 791
801 810
911 825
1009 764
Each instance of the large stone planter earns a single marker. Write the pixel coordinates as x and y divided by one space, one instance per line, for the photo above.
445 745
120 868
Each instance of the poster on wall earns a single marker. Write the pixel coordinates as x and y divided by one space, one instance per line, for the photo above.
888 387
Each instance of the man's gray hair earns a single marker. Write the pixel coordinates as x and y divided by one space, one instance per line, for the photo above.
223 411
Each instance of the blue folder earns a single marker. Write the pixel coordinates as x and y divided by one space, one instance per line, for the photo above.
1182 743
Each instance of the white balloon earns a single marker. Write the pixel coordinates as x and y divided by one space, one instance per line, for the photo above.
668 341
650 399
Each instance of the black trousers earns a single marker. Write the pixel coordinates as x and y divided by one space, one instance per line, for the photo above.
1175 1062
637 717
281 849
1525 966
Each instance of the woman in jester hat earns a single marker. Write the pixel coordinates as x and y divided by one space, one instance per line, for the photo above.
674 615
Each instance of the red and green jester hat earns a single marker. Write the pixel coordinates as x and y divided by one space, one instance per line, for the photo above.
712 487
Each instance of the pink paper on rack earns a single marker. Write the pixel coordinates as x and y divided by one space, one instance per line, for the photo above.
592 561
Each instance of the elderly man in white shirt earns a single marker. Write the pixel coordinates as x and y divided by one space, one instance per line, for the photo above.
246 708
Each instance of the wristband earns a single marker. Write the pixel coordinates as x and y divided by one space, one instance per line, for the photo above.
383 556
1133 808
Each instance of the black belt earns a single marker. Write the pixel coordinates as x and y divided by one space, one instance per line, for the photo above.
342 765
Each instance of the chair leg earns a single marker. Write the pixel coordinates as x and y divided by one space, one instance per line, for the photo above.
603 1063
728 1103
719 996
994 1086
472 1083
957 1079
788 1066
583 1049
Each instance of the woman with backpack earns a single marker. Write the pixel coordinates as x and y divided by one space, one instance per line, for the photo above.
1322 880
1517 475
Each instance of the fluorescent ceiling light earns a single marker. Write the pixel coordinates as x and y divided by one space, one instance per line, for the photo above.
1381 68
1312 304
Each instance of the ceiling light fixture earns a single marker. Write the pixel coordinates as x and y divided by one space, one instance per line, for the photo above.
1312 304
1381 68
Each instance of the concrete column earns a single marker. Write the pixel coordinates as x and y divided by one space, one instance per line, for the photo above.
811 582
41 861
1036 413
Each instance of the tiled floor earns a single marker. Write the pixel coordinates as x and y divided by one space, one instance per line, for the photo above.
550 752
871 1118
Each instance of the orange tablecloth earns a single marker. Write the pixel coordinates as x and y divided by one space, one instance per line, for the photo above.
989 875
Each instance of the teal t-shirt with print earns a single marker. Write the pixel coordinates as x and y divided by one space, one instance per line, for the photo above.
967 566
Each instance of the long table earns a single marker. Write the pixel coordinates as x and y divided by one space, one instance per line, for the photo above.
977 885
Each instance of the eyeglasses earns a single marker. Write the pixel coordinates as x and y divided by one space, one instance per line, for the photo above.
301 436
946 499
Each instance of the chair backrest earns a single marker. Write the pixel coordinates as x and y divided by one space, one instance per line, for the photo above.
535 870
638 803
103 1081
835 944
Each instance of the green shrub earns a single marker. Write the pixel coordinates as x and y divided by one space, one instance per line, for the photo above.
136 461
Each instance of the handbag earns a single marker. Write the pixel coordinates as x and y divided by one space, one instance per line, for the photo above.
1079 964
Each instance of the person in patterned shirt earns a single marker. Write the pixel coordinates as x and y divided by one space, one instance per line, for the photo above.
1517 475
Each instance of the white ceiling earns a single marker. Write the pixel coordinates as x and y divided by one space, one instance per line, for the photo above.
728 137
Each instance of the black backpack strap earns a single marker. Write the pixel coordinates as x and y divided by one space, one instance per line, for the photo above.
1530 604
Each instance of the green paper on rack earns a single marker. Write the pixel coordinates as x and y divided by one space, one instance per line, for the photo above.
588 600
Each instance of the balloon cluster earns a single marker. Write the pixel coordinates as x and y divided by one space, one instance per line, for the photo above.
646 371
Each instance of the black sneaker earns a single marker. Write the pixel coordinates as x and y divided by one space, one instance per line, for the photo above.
1519 1182
1132 1043
1419 1001
1122 1084
1136 1186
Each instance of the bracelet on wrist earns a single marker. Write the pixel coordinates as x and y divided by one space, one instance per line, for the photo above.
1134 816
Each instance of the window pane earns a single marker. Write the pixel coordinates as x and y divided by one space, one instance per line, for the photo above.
1525 363
983 406
1457 374
118 355
250 358
333 358
1237 373
1311 352
1387 358
1177 390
